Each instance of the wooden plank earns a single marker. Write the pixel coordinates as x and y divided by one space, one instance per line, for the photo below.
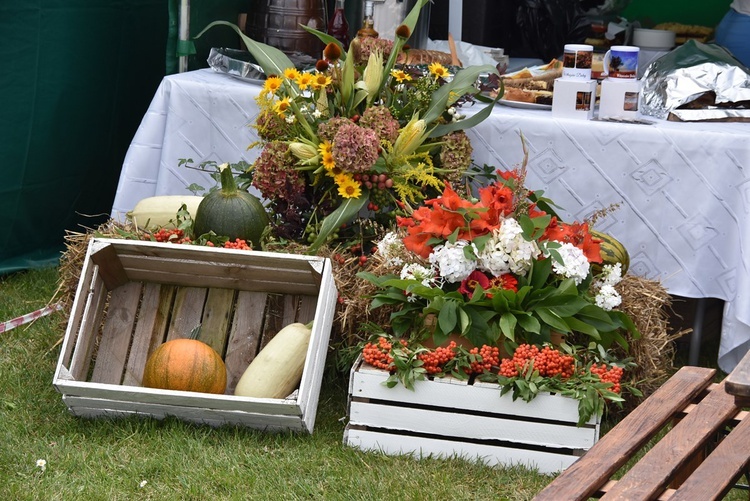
396 444
721 469
452 425
273 321
216 316
307 306
150 328
89 328
478 398
117 333
187 311
180 398
655 470
244 339
738 382
594 469
213 417
105 256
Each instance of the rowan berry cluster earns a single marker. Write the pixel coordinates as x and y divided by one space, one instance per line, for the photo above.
378 354
483 359
609 375
237 244
434 360
174 235
548 361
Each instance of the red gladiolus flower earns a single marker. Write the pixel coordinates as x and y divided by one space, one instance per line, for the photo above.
470 283
576 234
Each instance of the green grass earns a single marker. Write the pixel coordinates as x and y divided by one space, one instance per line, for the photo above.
109 459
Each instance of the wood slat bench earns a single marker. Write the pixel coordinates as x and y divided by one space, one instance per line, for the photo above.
701 457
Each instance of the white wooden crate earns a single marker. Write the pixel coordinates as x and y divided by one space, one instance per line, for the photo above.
132 296
447 417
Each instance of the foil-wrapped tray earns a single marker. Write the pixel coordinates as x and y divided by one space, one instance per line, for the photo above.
237 63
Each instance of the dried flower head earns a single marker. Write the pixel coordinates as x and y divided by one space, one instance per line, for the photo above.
322 65
403 31
379 119
355 148
274 173
332 52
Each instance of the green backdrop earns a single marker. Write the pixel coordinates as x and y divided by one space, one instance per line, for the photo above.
77 78
651 12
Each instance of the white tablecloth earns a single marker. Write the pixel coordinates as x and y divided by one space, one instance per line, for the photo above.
683 189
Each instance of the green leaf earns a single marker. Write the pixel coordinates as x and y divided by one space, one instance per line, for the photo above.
342 215
463 82
508 325
325 38
553 320
448 317
271 59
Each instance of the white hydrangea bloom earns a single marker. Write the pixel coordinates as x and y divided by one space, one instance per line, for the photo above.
611 274
608 298
415 271
451 263
574 265
507 250
391 248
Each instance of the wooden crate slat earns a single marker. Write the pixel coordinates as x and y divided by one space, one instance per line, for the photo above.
244 340
588 474
150 329
721 469
214 417
80 303
396 444
187 311
111 355
466 426
89 327
449 396
655 470
179 398
291 305
216 318
105 256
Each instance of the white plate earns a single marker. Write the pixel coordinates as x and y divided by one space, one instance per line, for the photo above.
522 105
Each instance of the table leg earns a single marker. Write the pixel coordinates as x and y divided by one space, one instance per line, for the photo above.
695 336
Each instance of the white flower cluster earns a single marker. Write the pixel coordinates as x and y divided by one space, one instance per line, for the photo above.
607 297
451 262
415 271
574 265
391 248
507 250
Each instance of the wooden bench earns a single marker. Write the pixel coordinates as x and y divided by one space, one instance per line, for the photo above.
701 457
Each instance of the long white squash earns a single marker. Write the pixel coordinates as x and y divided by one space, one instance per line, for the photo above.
154 212
277 370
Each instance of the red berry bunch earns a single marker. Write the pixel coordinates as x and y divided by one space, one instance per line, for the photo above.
435 360
174 235
378 354
551 362
484 359
524 354
609 375
548 361
237 244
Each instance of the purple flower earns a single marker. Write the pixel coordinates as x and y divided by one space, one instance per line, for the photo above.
355 148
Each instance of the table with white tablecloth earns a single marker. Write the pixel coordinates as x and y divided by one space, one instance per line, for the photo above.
682 189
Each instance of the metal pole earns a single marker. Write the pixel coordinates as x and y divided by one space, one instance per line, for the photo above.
184 32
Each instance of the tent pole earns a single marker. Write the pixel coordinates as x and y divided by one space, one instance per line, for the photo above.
184 31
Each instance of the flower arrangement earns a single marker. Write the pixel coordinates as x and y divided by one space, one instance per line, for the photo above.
525 292
342 138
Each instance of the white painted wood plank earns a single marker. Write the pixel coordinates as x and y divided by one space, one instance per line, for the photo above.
89 329
179 398
461 426
95 408
419 447
486 399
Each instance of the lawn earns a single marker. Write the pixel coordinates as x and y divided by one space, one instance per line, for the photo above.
151 459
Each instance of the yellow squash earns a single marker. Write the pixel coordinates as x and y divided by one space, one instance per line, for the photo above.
156 212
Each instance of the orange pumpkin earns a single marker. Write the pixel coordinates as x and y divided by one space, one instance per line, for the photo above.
185 364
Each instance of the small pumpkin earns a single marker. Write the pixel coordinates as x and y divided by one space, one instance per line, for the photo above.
161 211
186 365
612 252
231 212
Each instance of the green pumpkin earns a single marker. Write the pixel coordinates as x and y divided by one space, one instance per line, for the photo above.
612 252
231 212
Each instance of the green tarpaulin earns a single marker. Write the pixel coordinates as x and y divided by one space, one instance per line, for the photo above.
77 77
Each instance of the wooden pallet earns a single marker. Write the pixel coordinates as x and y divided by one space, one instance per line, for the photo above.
705 450
133 296
449 417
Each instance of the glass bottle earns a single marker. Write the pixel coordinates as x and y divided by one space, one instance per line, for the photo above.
338 27
368 29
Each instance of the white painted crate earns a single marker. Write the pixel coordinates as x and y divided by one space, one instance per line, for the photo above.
447 417
132 296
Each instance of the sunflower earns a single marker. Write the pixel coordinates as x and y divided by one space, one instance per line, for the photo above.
282 106
271 85
304 80
438 70
291 73
348 187
400 76
321 81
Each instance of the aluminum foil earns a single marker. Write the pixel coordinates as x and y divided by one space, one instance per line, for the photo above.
686 74
236 63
